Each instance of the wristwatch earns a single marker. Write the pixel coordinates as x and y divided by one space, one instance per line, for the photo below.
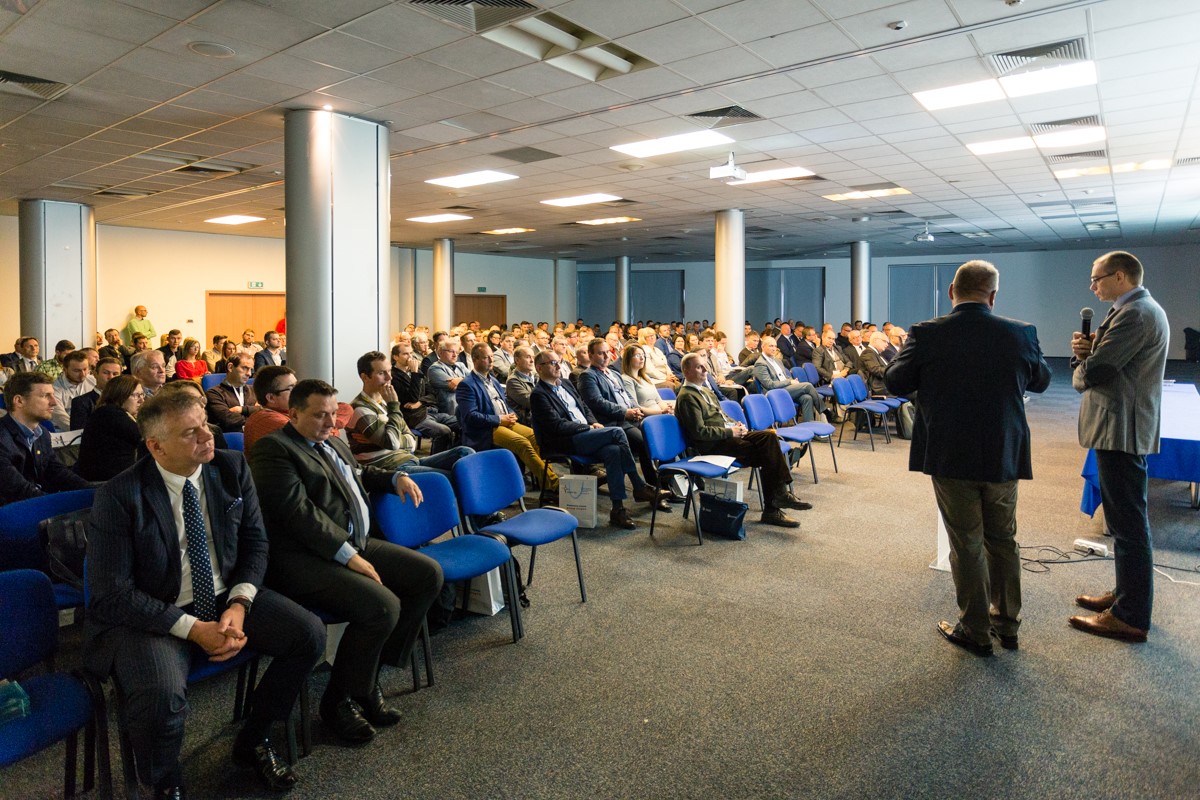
244 602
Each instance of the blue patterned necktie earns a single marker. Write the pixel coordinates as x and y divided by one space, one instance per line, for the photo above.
204 597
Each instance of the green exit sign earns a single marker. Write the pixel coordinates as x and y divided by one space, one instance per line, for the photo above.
480 289
254 284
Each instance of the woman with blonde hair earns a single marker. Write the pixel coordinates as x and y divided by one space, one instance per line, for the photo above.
638 383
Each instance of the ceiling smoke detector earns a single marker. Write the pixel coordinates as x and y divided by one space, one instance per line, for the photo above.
924 236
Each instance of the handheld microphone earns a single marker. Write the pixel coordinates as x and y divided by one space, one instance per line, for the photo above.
1085 314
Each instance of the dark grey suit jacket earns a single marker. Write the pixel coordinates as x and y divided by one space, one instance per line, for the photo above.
134 563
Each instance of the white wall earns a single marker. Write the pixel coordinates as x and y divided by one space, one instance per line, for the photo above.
10 296
527 282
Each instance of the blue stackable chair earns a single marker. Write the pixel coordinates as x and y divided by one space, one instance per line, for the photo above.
735 412
762 415
212 379
21 544
490 481
235 440
664 439
782 406
812 376
861 393
666 393
461 557
861 411
60 704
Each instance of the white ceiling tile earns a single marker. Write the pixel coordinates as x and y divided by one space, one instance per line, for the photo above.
476 56
749 20
420 75
651 82
925 54
343 52
323 12
676 41
720 65
923 17
401 27
478 94
369 91
617 18
536 79
174 9
798 47
292 71
252 87
1022 33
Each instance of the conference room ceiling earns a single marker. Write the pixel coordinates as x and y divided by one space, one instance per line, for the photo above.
154 134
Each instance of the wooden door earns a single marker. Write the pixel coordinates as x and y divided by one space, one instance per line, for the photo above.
230 313
489 309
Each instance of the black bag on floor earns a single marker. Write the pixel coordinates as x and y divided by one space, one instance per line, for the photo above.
723 518
65 538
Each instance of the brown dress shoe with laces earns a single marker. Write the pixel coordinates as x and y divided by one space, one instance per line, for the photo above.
1096 602
1106 625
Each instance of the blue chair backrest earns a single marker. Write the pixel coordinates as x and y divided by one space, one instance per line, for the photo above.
666 393
782 405
843 391
20 543
733 411
488 482
2 403
28 620
235 440
407 525
664 437
48 425
859 386
798 373
214 379
810 373
759 412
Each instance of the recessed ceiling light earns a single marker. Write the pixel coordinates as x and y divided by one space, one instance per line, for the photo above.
327 107
608 220
867 195
782 174
582 200
502 231
1022 84
672 144
1002 145
1068 137
440 218
211 50
472 179
1116 169
235 219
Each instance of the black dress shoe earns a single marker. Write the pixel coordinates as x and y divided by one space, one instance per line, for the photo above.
619 518
170 793
954 635
260 756
1008 642
789 500
346 719
776 517
376 711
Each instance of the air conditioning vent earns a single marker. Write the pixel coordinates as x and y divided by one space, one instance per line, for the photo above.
1082 155
476 15
1092 121
525 155
1187 162
724 117
1040 57
29 86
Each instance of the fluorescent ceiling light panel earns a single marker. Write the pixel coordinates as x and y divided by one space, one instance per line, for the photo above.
781 174
673 144
582 200
1116 169
235 219
1052 79
867 195
964 94
502 231
1022 84
1002 146
608 220
472 179
1070 137
439 218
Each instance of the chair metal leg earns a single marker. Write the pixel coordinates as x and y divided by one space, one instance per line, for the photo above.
578 568
829 438
416 670
696 516
428 653
70 764
658 476
532 561
293 749
761 500
508 580
813 462
99 730
305 721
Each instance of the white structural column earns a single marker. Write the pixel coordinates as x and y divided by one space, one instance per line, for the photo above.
338 265
57 245
443 284
624 290
566 276
860 280
404 261
731 277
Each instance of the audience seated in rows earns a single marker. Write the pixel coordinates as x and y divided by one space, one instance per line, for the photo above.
519 387
170 351
83 405
190 366
639 384
111 441
613 406
74 381
272 355
29 467
420 412
770 374
231 401
272 387
54 366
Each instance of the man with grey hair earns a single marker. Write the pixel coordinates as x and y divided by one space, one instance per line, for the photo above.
150 368
771 374
447 373
1119 371
971 369
872 363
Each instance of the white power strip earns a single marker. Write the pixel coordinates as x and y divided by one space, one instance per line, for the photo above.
1091 548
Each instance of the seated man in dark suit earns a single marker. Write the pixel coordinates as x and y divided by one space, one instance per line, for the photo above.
770 374
28 464
231 400
804 345
318 518
787 345
272 355
82 406
873 364
564 424
853 351
520 383
698 410
113 347
155 590
604 393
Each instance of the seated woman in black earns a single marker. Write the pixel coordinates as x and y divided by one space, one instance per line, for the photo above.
111 441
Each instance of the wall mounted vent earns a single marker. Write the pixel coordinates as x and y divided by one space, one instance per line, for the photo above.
1092 121
476 15
724 117
1082 155
29 86
1047 55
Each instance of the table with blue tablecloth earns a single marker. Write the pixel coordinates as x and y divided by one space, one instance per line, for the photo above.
1178 458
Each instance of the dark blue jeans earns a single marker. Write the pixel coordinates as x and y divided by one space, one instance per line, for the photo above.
612 447
442 462
1123 493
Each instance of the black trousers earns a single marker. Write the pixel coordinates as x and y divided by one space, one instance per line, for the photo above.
152 671
758 449
637 445
384 620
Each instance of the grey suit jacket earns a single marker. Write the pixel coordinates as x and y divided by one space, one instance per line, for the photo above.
134 570
767 379
1121 381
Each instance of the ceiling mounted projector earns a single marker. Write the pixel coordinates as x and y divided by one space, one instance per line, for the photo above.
727 170
924 236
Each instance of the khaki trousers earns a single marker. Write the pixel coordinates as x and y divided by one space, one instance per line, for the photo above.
519 441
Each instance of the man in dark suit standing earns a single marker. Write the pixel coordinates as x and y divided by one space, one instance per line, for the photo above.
1119 371
972 370
318 517
28 464
176 557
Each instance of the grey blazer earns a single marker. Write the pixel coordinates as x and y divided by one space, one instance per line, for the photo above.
767 379
1121 381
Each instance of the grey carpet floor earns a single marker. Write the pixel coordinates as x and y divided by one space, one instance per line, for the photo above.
796 664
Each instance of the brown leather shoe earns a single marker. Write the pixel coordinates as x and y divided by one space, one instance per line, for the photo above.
648 494
776 517
619 518
1096 602
1107 625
